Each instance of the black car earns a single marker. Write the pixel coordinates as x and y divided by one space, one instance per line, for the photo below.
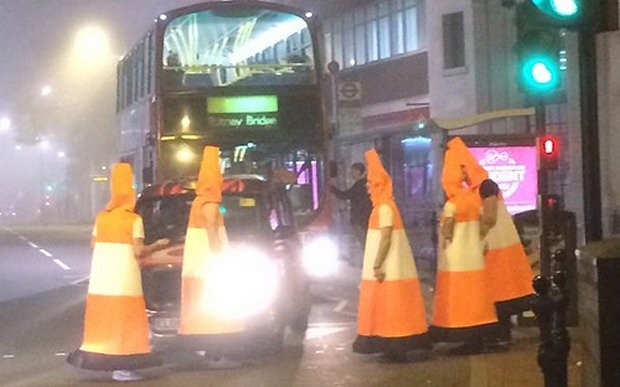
257 214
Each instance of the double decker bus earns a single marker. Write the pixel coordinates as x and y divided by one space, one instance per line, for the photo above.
243 75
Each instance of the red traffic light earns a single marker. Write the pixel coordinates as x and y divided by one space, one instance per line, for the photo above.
548 146
548 151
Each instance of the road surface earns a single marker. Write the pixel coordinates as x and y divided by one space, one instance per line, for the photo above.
43 276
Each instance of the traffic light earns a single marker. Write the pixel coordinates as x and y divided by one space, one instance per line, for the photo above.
566 12
538 52
597 15
548 152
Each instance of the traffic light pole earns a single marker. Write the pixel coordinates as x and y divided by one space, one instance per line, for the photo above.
541 128
543 191
590 136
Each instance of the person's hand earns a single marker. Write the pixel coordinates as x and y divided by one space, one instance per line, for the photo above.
379 273
161 243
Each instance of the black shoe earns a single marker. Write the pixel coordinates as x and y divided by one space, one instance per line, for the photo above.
394 358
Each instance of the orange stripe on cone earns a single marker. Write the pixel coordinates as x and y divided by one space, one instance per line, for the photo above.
509 273
115 325
391 309
462 300
195 320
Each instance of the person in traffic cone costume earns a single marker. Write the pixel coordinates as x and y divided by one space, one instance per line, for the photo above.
116 332
201 326
391 317
508 267
463 308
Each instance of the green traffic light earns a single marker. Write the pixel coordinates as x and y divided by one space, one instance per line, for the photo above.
540 74
565 7
560 10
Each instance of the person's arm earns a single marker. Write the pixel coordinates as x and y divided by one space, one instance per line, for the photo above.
342 195
211 213
139 248
142 250
488 218
447 223
489 193
386 225
382 252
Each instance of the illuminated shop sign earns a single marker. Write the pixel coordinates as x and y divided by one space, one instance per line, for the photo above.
256 111
514 169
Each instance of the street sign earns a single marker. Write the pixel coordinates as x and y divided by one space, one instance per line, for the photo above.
350 91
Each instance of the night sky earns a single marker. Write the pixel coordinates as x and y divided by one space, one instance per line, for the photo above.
37 36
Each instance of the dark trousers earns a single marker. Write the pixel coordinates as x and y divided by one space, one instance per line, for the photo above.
359 232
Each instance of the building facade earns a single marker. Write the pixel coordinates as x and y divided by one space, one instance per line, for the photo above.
416 60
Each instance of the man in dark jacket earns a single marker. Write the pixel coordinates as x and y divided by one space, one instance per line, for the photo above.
360 201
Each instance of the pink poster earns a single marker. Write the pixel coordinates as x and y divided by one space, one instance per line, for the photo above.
513 168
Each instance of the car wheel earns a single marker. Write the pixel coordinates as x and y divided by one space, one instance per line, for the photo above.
299 324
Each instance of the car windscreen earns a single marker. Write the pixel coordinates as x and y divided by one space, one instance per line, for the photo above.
168 216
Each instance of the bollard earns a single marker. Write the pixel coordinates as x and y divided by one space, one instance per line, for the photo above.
550 309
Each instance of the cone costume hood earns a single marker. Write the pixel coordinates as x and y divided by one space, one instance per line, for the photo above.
121 188
458 155
210 180
379 181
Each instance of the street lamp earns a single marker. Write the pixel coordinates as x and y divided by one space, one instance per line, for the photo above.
46 91
5 123
91 45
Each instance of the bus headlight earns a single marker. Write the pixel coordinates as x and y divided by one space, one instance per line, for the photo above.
240 283
320 257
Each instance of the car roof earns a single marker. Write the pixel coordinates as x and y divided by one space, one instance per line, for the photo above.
242 184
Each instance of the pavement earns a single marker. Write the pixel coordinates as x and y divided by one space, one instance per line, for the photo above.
42 306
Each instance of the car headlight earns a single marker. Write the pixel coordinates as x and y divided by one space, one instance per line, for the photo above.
240 283
320 257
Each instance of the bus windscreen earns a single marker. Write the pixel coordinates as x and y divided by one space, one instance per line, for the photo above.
249 47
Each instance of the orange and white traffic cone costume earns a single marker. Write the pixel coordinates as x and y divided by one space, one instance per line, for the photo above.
391 316
463 308
508 267
116 333
199 325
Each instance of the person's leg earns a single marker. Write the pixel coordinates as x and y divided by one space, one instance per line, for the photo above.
360 234
505 326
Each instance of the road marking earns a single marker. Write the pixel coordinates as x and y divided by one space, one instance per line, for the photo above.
81 281
341 305
23 238
46 253
60 354
61 264
34 246
8 356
